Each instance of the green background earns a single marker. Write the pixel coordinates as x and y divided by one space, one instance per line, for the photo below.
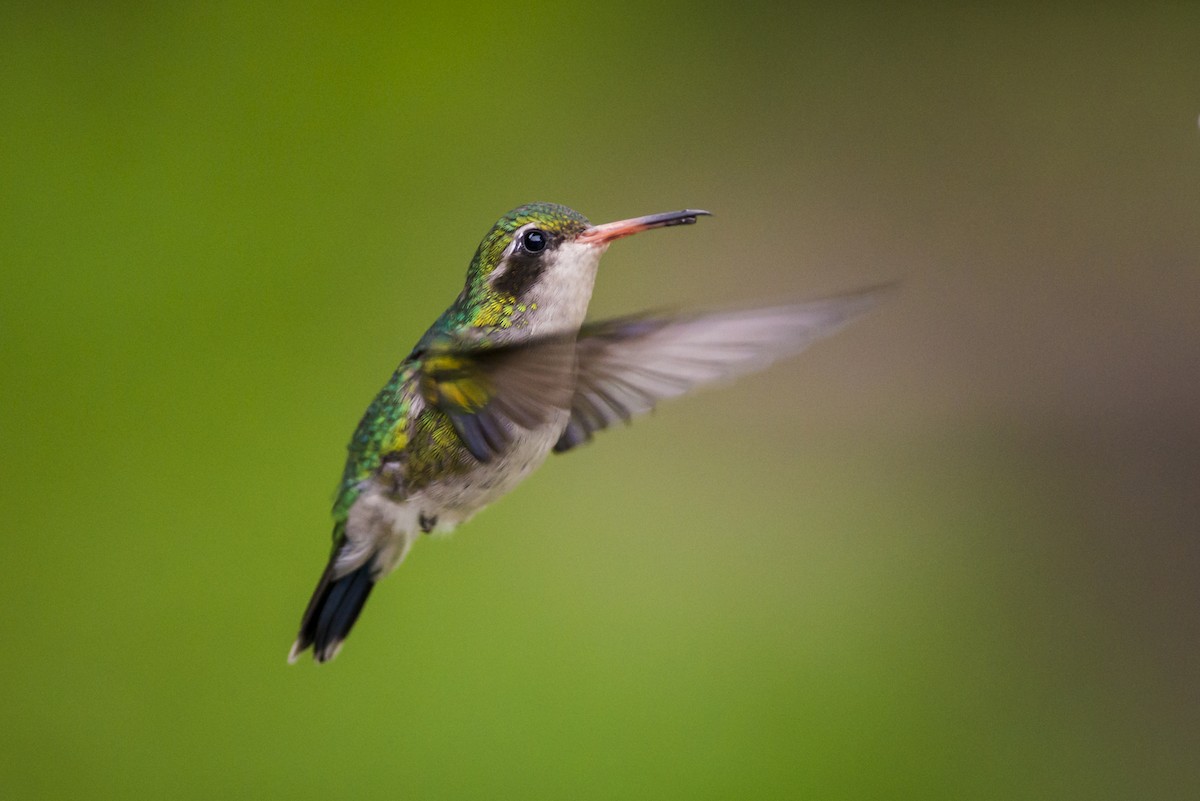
952 553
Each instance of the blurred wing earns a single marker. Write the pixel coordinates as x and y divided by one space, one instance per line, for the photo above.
489 393
626 366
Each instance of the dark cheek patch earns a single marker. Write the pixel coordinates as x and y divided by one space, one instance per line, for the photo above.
520 275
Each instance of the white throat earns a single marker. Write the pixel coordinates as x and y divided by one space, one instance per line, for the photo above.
564 289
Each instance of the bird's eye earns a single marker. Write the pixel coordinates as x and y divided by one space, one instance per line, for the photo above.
534 240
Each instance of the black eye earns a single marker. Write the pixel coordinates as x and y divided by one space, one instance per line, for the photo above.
534 241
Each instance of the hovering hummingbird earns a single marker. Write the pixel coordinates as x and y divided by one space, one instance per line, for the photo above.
509 373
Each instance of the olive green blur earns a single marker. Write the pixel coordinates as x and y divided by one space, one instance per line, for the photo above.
951 553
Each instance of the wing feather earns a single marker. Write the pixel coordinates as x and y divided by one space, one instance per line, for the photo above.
627 365
490 392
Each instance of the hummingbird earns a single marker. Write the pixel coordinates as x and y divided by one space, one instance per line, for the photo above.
510 373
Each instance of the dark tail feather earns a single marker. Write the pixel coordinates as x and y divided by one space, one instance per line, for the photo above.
332 611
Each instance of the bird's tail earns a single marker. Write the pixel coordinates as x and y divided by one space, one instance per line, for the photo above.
331 612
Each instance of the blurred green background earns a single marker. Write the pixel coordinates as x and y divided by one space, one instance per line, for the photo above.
950 554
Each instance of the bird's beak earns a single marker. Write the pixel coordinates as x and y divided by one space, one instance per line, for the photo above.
603 234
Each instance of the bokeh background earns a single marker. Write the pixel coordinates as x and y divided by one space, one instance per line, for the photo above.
951 553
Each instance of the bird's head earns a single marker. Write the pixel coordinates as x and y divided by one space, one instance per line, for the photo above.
544 256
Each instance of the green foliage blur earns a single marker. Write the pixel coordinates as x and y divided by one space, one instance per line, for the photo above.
951 553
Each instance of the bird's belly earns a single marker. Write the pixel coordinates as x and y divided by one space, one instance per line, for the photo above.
456 498
384 527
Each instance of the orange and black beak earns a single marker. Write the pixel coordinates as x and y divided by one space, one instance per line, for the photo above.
603 234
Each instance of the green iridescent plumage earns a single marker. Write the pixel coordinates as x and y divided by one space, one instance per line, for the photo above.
381 425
